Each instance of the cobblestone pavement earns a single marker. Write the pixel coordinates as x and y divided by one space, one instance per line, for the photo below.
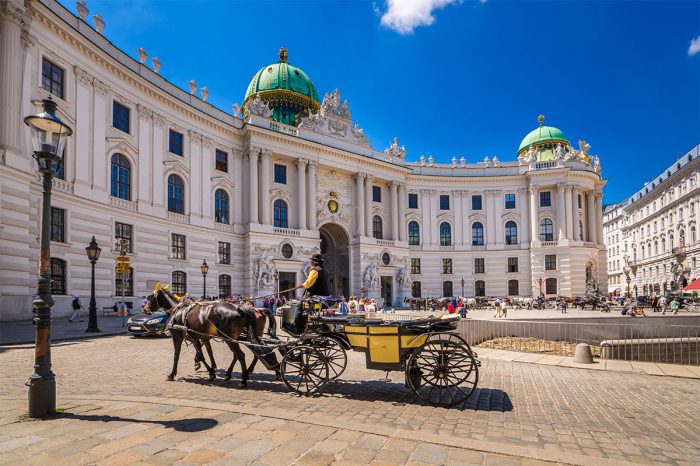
559 414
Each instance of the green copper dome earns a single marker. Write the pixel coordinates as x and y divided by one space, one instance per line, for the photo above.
543 135
286 89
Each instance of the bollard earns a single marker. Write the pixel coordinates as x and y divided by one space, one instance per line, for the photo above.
583 354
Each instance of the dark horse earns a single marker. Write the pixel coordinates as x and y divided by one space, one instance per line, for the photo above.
199 322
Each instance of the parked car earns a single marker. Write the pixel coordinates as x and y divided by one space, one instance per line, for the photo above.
148 324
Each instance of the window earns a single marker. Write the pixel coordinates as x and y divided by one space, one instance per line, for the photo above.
476 202
377 227
416 289
120 116
578 197
386 258
511 232
175 142
58 276
224 253
221 161
176 194
413 233
376 194
415 265
178 246
124 281
122 231
445 234
287 251
179 283
58 225
412 200
121 177
550 286
510 201
550 262
444 202
280 173
447 266
479 288
479 265
546 230
52 78
281 214
512 264
447 289
545 199
224 286
477 234
513 288
221 206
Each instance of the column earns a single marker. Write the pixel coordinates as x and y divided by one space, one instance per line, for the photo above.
368 205
523 207
311 198
402 212
158 191
144 162
237 186
207 163
393 188
99 156
427 221
195 156
599 218
499 205
574 213
533 213
301 192
253 154
360 199
561 211
590 216
265 187
11 57
459 217
432 224
466 224
82 131
569 212
490 218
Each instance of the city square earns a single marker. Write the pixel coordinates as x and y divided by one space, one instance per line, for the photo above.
527 295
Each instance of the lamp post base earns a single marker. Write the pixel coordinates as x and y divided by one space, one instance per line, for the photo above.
42 397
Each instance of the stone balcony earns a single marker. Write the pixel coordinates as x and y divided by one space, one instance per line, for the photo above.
123 203
286 231
178 217
386 242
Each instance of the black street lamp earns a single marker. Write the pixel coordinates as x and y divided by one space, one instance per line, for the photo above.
49 136
462 287
93 253
205 270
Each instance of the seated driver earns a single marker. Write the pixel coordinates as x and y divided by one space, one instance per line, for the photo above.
316 284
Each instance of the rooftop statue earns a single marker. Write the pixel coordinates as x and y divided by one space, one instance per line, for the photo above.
394 150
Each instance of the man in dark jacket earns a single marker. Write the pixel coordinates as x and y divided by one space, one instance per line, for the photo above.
316 284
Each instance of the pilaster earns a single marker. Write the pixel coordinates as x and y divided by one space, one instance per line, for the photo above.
301 192
311 197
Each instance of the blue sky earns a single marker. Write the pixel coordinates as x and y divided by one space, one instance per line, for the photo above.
451 78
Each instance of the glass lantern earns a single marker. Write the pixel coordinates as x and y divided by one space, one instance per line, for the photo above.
49 134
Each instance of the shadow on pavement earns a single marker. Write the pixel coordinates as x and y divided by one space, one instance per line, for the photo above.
195 424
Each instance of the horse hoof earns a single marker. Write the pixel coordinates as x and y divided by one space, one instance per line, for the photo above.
243 384
212 377
197 366
227 378
170 378
278 375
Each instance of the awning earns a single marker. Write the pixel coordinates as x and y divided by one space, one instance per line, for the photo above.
694 286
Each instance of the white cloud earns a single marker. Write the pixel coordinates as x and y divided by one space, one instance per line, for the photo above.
403 16
694 46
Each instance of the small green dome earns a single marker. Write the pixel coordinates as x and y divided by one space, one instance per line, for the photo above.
285 88
541 135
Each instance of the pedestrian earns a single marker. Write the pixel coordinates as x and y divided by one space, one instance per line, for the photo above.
675 305
342 306
361 306
143 303
662 305
352 305
497 307
76 309
655 303
563 305
450 308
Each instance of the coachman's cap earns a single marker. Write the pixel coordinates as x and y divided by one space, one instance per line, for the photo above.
317 258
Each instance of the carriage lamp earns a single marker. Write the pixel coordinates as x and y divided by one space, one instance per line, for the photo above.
49 135
93 253
205 270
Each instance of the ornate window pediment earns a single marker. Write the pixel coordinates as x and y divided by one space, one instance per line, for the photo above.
510 216
121 145
445 218
477 217
413 216
177 167
221 182
283 194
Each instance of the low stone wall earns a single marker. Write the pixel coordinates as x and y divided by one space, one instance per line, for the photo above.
665 350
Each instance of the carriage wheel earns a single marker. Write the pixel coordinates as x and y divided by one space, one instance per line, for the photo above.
335 354
444 371
304 369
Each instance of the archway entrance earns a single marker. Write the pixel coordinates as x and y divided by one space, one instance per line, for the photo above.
334 248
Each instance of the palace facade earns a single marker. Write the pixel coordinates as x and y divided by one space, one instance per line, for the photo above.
255 192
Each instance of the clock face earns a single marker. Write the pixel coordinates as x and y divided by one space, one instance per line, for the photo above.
333 206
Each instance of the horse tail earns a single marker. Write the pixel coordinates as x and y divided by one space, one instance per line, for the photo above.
272 324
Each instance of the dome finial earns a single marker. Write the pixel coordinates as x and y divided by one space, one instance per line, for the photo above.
541 120
283 55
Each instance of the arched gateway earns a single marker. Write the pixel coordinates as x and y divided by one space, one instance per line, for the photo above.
334 247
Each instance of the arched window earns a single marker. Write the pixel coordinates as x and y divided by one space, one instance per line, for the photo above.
176 194
546 230
550 286
224 286
58 276
656 248
221 206
121 177
663 245
477 234
513 288
416 289
445 235
447 289
643 252
377 227
179 282
413 233
281 214
670 242
511 232
479 288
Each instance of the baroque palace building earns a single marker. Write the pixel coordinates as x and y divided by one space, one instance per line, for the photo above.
652 237
257 191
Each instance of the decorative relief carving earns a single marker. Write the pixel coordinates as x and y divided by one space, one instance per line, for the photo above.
257 107
403 278
28 40
195 138
370 278
83 76
207 142
158 120
100 87
144 112
334 119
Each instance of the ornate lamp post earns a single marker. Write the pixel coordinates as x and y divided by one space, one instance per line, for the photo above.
49 136
205 270
93 253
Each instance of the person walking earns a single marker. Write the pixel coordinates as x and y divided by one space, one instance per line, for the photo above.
342 306
675 305
655 303
662 305
76 309
563 305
